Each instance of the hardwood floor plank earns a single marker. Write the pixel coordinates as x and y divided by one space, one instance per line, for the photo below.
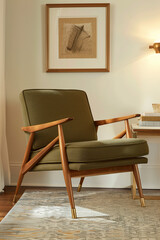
6 197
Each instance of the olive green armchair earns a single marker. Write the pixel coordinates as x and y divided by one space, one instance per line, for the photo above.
62 135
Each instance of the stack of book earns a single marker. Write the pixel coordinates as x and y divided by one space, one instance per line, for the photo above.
150 120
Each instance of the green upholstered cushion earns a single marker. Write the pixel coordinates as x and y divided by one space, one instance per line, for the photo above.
91 165
43 105
97 151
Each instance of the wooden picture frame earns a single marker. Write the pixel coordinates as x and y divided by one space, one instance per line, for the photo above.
78 40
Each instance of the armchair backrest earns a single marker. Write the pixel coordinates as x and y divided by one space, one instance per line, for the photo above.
43 105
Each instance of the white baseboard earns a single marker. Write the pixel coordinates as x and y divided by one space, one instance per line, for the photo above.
150 178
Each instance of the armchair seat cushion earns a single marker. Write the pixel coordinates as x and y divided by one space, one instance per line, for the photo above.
97 151
91 165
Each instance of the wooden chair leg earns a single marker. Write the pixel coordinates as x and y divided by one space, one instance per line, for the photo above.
138 182
129 135
25 159
20 179
80 184
68 183
66 171
133 187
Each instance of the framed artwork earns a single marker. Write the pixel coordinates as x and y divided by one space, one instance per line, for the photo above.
78 37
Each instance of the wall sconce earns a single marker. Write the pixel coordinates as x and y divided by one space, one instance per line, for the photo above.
156 47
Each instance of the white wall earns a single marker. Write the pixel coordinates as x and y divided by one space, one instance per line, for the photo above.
131 86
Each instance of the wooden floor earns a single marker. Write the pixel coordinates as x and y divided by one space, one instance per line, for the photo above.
7 196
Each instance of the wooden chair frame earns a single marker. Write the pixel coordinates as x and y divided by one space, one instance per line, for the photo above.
68 174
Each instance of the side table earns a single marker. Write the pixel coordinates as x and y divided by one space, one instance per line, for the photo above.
145 131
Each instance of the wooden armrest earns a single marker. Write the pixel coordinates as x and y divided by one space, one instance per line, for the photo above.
113 120
39 127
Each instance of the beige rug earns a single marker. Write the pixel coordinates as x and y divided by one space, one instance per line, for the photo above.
102 214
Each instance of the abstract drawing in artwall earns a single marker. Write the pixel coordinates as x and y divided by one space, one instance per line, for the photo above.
77 38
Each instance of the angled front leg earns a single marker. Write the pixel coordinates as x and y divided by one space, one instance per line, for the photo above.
66 171
29 164
25 159
138 181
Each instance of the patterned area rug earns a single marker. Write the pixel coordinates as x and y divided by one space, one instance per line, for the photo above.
102 214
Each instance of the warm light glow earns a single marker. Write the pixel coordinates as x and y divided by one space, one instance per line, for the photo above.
153 60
